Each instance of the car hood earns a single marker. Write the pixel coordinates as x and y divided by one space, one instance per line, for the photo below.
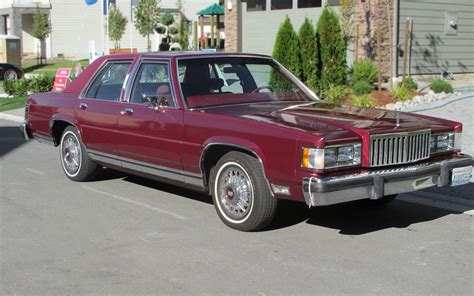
320 118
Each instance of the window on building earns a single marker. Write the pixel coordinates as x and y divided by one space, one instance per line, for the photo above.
6 25
282 4
309 3
256 5
334 3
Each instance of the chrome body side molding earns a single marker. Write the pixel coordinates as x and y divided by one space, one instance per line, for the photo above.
192 179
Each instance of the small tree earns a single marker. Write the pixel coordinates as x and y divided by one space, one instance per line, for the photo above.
41 28
286 51
184 36
347 10
332 50
147 16
167 19
309 55
117 24
183 27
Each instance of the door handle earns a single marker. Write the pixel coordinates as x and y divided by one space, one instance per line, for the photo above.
127 111
83 106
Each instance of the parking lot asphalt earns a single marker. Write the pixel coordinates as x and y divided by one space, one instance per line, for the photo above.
122 234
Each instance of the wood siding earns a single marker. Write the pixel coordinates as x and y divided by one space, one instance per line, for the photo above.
433 51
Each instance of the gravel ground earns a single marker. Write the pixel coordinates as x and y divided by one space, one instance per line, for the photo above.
459 108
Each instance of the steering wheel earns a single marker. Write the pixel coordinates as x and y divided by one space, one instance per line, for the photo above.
262 87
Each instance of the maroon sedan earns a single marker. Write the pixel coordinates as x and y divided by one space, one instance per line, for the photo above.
242 128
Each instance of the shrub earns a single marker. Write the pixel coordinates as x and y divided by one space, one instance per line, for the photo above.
43 83
402 93
21 87
410 84
9 87
441 86
363 101
308 53
332 50
362 88
174 30
287 52
336 93
364 70
160 30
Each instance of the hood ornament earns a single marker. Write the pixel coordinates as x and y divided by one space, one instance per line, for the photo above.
398 120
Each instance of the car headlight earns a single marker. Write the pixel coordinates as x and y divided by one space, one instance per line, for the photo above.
331 157
445 142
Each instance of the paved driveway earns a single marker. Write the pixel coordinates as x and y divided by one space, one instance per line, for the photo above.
127 235
460 109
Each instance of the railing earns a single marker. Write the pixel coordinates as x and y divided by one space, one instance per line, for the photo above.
25 3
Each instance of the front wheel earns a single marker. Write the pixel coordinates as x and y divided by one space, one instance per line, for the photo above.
240 192
75 162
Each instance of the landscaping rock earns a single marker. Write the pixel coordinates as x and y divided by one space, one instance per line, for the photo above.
429 97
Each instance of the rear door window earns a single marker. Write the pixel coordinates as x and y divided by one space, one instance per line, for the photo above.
152 83
107 86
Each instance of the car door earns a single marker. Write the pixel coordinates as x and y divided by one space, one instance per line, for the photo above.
99 106
150 124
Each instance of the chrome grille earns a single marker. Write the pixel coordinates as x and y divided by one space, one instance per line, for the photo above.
393 149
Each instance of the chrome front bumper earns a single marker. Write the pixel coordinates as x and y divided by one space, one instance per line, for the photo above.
24 131
375 184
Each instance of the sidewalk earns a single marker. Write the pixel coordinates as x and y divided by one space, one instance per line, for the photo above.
17 115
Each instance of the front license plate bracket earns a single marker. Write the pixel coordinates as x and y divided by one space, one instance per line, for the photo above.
461 176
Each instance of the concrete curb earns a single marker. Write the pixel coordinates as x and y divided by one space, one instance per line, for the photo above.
11 117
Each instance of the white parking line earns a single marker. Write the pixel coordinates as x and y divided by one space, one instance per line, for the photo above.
34 171
136 203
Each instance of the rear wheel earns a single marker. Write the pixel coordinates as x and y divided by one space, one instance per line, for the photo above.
75 162
240 192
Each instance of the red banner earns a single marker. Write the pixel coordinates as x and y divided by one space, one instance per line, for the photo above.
61 79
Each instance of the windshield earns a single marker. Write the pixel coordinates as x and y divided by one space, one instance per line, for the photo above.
234 80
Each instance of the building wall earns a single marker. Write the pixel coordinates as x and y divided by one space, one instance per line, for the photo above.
29 43
432 50
370 16
259 28
75 23
190 7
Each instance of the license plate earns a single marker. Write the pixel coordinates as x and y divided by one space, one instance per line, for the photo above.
461 176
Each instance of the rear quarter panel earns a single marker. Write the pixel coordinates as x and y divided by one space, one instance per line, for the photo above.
45 107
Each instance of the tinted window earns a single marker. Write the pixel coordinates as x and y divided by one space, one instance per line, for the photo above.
309 3
256 5
282 4
108 84
152 82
